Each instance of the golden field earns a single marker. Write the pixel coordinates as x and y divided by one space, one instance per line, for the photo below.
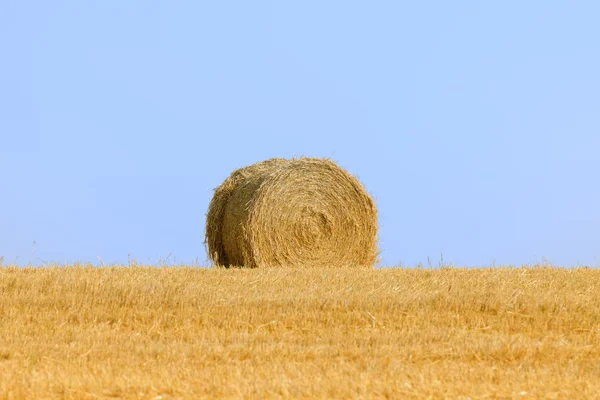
163 333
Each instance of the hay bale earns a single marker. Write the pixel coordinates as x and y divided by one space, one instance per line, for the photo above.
305 211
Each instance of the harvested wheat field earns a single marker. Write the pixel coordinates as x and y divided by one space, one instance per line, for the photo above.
165 333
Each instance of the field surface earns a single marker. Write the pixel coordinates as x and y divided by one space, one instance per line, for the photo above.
165 333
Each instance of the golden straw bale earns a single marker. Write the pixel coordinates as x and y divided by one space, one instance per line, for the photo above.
304 211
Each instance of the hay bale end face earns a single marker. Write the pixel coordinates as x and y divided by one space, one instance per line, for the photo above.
279 212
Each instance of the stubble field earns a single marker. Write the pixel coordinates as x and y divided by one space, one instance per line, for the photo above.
163 333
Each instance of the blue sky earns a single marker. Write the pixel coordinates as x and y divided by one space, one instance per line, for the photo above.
475 125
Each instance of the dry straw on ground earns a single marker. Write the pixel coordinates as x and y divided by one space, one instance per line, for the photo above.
305 211
266 333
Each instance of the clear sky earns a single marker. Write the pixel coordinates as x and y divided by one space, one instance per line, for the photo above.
475 125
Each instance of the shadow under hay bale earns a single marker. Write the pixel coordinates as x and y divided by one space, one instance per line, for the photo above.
279 212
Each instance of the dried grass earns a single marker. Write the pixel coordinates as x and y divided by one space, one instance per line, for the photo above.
336 333
305 211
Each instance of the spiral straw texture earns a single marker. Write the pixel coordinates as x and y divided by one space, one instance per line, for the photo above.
279 212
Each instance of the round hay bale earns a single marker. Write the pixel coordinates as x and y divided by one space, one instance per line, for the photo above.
279 212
